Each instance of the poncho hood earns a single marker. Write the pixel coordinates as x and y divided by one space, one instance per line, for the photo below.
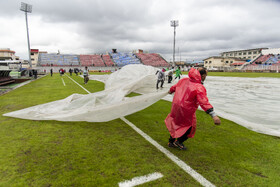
194 75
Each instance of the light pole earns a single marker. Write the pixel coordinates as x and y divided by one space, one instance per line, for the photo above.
27 9
174 23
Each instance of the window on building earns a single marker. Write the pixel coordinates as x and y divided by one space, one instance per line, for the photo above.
244 53
32 53
255 52
249 53
254 56
226 61
231 62
230 54
239 53
206 62
210 62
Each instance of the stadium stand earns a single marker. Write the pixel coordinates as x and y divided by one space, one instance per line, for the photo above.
261 59
91 60
46 59
267 59
112 59
72 60
265 62
273 59
122 59
152 59
107 60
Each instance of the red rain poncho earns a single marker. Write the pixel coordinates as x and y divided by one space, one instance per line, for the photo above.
189 93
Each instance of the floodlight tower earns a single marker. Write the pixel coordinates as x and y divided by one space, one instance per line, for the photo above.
174 23
27 9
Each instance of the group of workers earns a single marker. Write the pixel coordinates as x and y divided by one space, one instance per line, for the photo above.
161 76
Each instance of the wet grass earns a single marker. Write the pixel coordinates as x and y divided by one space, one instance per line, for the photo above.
52 153
227 155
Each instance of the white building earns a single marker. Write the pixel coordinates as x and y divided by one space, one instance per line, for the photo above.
219 62
7 54
247 54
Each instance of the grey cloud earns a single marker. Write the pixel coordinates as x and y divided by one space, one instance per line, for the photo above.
206 27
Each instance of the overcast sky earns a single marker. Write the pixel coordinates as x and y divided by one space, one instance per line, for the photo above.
206 27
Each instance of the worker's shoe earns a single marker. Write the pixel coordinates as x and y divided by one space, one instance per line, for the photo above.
179 145
171 144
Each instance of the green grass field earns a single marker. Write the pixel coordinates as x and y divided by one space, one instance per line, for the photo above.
53 153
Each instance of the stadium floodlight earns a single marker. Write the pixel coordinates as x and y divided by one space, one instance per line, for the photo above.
27 9
174 23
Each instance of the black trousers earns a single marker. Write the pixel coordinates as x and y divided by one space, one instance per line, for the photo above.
178 77
169 79
86 79
182 138
160 81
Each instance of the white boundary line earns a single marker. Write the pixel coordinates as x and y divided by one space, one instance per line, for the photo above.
199 178
170 155
141 180
78 84
63 81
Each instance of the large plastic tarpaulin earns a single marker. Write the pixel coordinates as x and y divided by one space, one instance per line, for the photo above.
105 105
251 102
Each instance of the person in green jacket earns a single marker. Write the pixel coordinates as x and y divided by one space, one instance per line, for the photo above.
178 73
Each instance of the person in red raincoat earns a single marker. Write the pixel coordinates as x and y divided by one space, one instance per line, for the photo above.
189 93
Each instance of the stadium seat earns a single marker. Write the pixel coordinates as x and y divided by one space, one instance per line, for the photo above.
122 59
107 60
46 59
91 60
152 59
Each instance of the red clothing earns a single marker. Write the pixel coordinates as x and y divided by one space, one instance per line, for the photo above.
189 93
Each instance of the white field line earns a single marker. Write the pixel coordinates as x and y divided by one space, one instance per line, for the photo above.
199 178
63 81
140 180
170 155
78 84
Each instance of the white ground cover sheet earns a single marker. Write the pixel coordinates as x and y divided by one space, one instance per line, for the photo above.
251 102
105 105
